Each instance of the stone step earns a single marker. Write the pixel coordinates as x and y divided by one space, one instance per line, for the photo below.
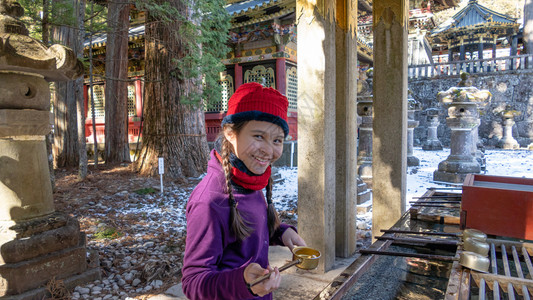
364 196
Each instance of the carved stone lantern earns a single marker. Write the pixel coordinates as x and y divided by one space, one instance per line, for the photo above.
463 117
508 141
412 106
37 243
364 157
432 142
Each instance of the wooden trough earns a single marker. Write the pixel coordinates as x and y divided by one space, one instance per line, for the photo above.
510 274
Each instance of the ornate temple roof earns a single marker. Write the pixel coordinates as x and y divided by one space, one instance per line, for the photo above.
254 11
475 19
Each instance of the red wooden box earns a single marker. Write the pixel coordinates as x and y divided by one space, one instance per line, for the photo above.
498 205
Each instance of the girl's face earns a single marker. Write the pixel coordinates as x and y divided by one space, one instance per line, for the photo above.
258 144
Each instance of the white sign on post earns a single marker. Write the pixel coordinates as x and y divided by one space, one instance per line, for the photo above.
161 162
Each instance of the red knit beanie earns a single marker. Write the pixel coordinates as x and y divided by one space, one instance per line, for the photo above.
252 101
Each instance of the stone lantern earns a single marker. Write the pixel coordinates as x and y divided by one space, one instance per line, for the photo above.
363 191
37 243
463 117
432 142
413 106
508 141
364 157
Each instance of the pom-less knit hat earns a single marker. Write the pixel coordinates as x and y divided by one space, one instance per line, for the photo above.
252 101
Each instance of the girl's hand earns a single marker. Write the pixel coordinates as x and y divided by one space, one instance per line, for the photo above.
267 286
291 239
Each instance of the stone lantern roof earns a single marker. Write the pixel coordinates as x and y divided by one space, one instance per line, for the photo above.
20 52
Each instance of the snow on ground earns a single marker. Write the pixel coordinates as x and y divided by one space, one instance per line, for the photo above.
516 163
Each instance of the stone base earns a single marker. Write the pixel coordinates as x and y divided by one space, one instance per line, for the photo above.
449 177
508 144
365 207
462 164
364 196
432 146
23 276
413 161
37 250
70 283
363 192
365 173
26 240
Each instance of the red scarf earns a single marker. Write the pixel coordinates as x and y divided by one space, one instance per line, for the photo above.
250 182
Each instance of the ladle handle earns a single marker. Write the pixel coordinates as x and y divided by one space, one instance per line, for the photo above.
284 267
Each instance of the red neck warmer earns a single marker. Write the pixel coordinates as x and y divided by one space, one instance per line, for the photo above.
250 182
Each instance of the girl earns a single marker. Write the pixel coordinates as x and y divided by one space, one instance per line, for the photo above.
229 223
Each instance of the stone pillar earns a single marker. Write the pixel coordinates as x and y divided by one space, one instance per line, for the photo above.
346 128
37 243
316 128
389 159
462 105
432 120
327 127
508 141
364 157
413 106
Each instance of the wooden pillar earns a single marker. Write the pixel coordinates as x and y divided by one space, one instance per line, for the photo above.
346 128
316 127
138 97
462 51
480 50
281 76
390 112
86 98
238 76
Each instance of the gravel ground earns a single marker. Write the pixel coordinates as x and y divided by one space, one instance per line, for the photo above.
138 233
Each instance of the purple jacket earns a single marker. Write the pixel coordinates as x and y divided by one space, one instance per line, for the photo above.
214 261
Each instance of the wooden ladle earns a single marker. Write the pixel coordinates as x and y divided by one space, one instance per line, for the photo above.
305 258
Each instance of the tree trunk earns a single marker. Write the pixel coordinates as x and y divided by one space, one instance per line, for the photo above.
64 101
172 130
116 90
80 100
50 136
45 22
528 26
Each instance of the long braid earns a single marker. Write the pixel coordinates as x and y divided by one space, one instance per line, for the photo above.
237 223
272 214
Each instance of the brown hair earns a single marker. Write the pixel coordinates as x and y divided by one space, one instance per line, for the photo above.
238 225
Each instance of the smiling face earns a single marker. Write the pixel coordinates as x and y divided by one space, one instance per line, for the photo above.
258 144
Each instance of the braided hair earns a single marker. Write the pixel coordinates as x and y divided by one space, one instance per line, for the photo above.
238 225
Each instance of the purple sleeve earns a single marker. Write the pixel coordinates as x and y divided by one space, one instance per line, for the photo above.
276 238
203 250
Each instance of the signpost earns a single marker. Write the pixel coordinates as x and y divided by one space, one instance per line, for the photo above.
161 171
